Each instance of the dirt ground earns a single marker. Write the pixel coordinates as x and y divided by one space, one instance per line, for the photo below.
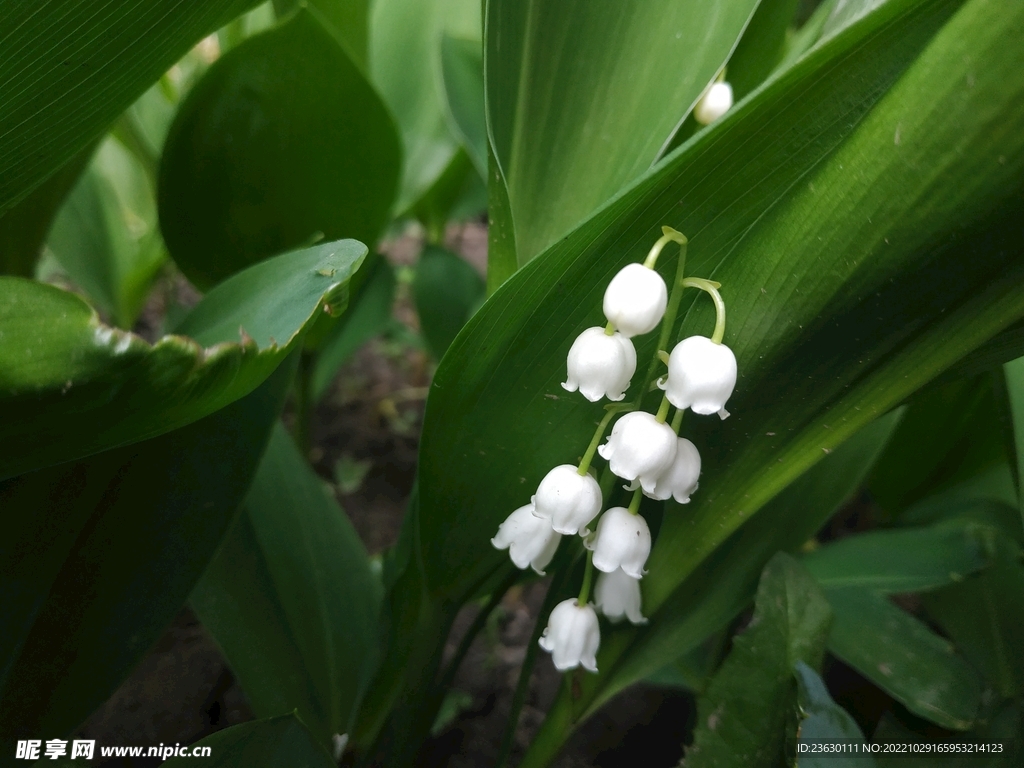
183 690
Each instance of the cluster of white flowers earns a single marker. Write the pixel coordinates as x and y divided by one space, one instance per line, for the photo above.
642 449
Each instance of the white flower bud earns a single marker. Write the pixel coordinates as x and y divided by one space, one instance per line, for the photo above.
715 102
701 376
529 539
680 479
622 540
572 636
568 500
640 448
617 594
635 300
600 365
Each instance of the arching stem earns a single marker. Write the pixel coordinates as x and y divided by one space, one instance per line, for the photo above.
711 288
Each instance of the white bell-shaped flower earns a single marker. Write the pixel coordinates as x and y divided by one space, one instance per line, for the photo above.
530 540
568 500
640 448
680 479
635 300
701 376
572 636
713 104
617 594
622 540
600 365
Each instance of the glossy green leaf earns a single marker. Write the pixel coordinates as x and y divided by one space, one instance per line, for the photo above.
462 71
762 46
572 124
447 291
23 227
907 560
822 720
71 68
748 714
278 742
984 616
99 555
105 236
291 598
368 315
806 383
903 657
283 142
501 229
405 37
72 386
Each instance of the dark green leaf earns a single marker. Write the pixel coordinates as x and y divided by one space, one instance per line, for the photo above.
448 291
984 616
367 316
748 713
906 560
1014 381
281 143
458 192
582 97
100 554
279 742
823 720
105 236
462 69
23 228
762 46
903 657
502 262
350 19
294 571
72 386
404 66
77 66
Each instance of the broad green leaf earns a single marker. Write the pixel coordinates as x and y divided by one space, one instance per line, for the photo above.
458 193
582 97
293 571
404 67
447 291
69 69
823 720
106 237
960 505
368 315
72 386
98 555
762 46
903 657
23 228
984 616
906 560
807 383
278 742
949 431
462 70
748 714
283 142
350 19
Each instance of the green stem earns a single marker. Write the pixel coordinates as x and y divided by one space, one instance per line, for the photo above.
669 235
711 288
677 420
588 575
662 410
609 330
595 441
671 310
634 504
